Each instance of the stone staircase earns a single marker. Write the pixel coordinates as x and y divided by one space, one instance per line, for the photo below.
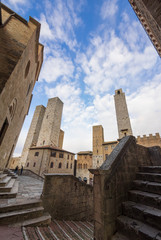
141 219
19 213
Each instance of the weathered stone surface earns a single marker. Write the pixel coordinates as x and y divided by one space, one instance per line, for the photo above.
65 197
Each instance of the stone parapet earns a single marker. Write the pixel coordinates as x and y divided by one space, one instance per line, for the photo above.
113 180
67 198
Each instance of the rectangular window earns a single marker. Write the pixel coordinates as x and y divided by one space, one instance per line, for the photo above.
3 130
53 154
36 153
71 157
34 164
68 156
61 155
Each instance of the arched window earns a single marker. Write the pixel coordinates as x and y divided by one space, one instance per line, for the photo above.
79 178
85 179
28 164
60 165
34 164
51 165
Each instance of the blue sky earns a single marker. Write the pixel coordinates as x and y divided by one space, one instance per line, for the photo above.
92 48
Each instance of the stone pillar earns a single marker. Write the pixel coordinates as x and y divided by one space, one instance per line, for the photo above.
122 115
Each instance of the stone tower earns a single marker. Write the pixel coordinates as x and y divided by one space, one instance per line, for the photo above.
149 14
21 57
50 129
123 120
98 139
33 132
61 138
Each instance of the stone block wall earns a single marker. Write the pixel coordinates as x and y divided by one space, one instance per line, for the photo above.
113 180
65 197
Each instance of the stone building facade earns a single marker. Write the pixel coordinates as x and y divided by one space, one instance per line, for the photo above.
84 162
42 152
48 159
122 115
21 57
149 14
149 141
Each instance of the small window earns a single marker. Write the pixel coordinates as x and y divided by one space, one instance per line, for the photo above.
60 165
97 161
51 165
34 164
71 165
43 142
118 92
97 151
53 154
28 164
71 157
61 155
3 130
68 156
36 153
106 147
85 179
27 69
67 165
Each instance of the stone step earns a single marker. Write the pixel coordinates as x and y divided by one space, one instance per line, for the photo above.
5 181
149 199
152 177
150 169
119 236
20 215
136 230
24 205
12 193
43 220
2 176
146 214
146 186
8 187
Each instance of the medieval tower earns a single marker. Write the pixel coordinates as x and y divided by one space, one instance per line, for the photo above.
98 139
33 132
45 127
50 129
123 120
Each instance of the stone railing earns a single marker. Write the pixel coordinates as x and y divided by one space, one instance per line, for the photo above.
112 182
67 198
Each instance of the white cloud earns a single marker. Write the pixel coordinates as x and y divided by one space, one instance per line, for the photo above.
144 107
55 67
109 9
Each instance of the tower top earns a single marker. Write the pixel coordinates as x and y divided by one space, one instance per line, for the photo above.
122 115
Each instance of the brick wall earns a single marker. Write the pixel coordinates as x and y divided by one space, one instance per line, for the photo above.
65 197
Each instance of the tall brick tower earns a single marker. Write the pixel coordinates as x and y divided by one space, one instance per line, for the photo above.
123 120
33 132
149 14
98 139
50 129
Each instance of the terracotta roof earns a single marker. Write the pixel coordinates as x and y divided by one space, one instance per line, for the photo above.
85 153
51 148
